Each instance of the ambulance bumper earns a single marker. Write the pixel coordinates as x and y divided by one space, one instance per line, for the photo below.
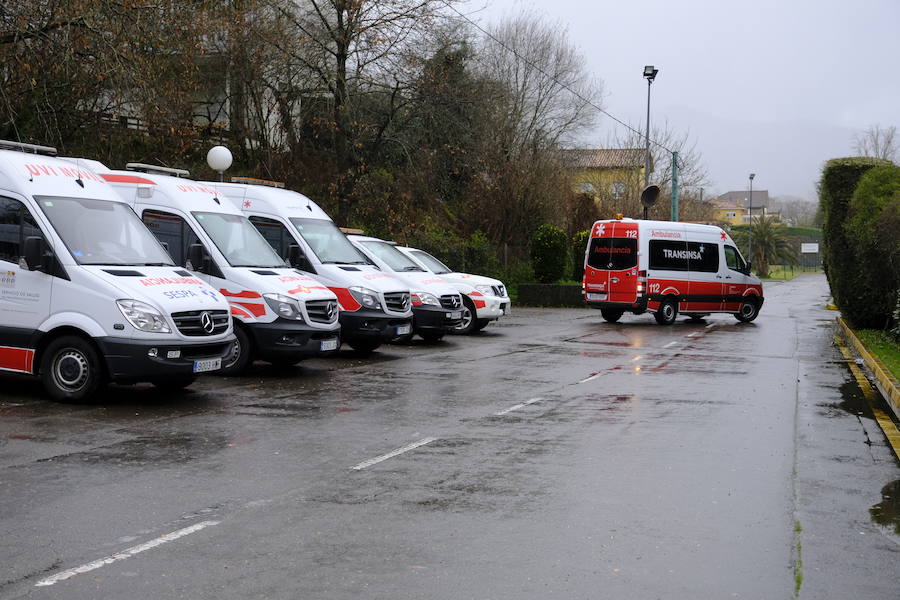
285 340
435 318
130 361
371 325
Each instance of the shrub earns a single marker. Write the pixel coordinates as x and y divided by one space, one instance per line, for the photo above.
579 244
549 253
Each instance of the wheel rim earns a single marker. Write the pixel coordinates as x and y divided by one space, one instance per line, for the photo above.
747 309
71 370
235 354
668 311
466 319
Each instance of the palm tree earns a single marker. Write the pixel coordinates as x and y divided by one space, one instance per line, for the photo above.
770 244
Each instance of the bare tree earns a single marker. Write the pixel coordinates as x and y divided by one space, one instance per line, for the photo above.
877 142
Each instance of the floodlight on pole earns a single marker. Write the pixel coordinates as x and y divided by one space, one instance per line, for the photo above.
649 74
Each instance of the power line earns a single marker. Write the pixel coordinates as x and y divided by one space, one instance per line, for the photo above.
545 74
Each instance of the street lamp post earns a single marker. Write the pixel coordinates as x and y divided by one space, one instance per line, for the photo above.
650 74
750 209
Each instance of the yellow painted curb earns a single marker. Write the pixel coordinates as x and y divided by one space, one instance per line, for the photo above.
886 382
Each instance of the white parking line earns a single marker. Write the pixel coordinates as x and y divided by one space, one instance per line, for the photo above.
711 325
594 376
392 454
517 407
670 344
695 334
169 537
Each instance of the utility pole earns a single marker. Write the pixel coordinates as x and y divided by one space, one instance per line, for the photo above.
674 186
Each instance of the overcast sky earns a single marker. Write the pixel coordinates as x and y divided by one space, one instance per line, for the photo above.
774 87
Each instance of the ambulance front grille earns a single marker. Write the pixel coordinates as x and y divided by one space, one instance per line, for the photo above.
499 290
191 323
397 301
322 311
451 301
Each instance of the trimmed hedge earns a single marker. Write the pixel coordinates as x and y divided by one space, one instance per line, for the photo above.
549 253
579 245
840 177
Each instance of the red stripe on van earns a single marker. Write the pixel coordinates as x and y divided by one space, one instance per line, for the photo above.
244 294
257 310
111 178
16 359
346 299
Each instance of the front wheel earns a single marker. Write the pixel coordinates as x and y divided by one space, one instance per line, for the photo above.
749 311
71 369
611 315
469 319
241 354
667 312
480 324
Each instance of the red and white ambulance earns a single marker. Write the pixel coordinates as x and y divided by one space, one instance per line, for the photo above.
667 268
87 294
281 315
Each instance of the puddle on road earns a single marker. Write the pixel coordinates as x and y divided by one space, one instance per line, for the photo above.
887 512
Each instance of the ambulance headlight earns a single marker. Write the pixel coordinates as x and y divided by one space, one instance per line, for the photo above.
485 289
284 306
365 296
143 316
426 298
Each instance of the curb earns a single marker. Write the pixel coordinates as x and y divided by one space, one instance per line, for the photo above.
887 384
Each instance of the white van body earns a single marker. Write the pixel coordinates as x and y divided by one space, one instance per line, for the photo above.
375 305
487 297
281 315
667 268
437 305
104 301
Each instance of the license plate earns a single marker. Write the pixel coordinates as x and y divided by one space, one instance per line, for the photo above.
596 296
454 315
210 364
404 329
329 345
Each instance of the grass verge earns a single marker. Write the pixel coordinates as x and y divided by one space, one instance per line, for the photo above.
884 347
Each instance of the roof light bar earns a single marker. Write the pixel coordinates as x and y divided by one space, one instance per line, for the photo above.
254 181
352 231
28 148
143 168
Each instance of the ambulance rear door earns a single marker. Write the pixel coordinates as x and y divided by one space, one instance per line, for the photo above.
613 256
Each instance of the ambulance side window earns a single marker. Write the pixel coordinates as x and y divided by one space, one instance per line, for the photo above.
669 255
171 230
275 233
733 259
703 257
16 224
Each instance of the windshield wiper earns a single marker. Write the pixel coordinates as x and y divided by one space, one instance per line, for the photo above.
346 262
413 268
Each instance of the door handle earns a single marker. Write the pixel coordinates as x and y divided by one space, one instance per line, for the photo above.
614 280
728 277
718 277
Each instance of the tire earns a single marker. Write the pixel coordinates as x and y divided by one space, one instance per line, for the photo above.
667 312
71 369
749 310
481 324
241 354
611 315
432 336
364 346
469 318
175 383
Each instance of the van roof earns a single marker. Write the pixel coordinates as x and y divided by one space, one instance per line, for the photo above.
649 224
176 192
31 174
256 198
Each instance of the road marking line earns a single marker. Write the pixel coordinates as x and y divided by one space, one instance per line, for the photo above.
594 376
884 421
392 454
695 334
517 407
711 325
670 344
169 537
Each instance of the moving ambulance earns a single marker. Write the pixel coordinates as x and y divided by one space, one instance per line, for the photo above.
281 315
667 268
484 299
437 306
375 306
87 294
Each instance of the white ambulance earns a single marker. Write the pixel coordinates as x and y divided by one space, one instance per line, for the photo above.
281 315
87 294
667 268
437 306
484 299
375 306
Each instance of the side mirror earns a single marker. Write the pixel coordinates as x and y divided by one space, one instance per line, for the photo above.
197 258
297 259
37 255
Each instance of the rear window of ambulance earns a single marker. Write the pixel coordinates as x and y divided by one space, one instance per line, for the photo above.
613 254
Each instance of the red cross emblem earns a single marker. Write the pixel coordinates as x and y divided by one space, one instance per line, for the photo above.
247 205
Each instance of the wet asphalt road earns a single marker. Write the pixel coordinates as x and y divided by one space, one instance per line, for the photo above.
559 457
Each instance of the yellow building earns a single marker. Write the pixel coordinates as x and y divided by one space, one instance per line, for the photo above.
614 177
729 211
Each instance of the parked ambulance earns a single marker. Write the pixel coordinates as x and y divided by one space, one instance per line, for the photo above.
436 305
667 268
87 294
374 305
484 299
281 315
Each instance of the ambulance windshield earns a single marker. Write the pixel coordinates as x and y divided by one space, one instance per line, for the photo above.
436 266
328 242
101 232
238 240
395 259
613 254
